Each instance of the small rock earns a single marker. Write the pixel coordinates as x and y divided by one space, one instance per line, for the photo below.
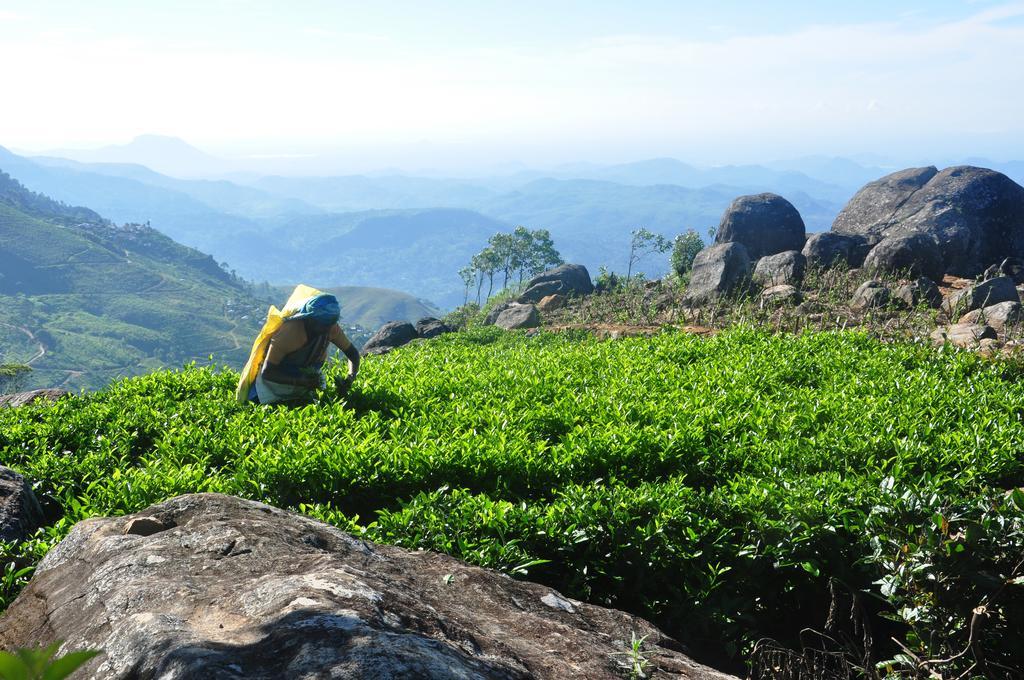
780 295
979 295
551 303
870 295
965 335
555 601
923 291
783 268
998 316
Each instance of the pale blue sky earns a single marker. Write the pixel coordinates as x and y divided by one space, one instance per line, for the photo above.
536 82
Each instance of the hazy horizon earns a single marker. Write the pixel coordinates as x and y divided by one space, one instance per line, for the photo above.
464 88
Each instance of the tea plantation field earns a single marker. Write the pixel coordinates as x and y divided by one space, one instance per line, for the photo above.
724 487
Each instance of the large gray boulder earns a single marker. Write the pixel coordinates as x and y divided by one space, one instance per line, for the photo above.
389 336
20 512
912 254
518 316
829 249
717 272
976 215
785 268
216 587
871 211
565 279
765 224
976 296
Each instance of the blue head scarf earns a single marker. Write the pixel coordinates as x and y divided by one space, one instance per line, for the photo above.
323 309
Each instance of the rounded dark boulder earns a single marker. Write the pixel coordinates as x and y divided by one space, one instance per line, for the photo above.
765 224
976 215
912 254
565 279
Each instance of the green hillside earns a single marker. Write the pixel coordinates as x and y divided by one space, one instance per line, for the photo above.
721 486
84 301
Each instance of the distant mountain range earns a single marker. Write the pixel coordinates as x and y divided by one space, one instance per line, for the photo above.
410 232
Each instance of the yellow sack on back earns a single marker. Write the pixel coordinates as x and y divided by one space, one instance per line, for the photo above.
275 318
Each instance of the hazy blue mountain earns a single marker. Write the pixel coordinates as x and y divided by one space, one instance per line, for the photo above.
174 213
416 251
841 172
359 192
167 155
221 195
755 178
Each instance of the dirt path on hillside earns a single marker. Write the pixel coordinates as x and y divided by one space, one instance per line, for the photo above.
31 336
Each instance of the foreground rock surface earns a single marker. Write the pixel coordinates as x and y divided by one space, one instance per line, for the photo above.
25 398
218 587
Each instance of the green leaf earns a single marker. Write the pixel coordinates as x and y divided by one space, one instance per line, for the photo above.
68 664
13 668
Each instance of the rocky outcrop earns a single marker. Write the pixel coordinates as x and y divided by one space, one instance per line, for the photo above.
565 279
765 224
717 271
785 268
922 291
870 295
429 327
976 215
829 249
518 316
217 587
20 512
991 292
25 398
389 336
910 254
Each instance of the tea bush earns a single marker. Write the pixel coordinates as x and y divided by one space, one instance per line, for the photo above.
714 485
